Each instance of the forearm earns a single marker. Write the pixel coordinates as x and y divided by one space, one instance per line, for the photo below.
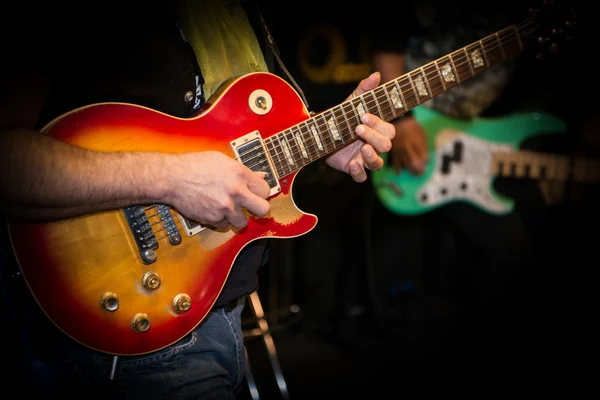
48 179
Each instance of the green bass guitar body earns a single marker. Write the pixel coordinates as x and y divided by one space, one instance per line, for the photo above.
460 166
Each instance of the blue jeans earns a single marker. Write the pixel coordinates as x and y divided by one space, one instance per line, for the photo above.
207 364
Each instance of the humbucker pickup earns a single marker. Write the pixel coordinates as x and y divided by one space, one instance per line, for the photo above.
250 150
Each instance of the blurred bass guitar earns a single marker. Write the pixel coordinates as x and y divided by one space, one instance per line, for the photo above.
465 158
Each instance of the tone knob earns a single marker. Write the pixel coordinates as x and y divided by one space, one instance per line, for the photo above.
151 281
182 303
109 301
140 322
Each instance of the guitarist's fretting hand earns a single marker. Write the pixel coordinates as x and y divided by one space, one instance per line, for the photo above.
213 189
375 137
409 147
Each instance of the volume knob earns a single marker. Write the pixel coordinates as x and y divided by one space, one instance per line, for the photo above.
151 281
182 303
140 322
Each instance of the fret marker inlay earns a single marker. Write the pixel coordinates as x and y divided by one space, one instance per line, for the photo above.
333 128
316 137
360 109
420 86
447 73
286 150
301 145
477 59
396 98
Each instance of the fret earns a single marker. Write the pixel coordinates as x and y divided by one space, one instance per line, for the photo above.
318 145
423 83
434 79
274 157
510 41
477 57
342 122
535 166
285 162
376 112
409 94
448 71
323 126
385 108
350 115
520 164
313 130
282 165
500 45
463 71
491 50
390 103
395 94
442 76
360 107
302 146
292 149
333 126
464 49
309 142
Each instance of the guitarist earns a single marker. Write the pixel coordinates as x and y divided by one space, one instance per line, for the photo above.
170 59
497 253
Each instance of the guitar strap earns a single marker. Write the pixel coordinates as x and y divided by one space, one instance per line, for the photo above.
272 53
275 53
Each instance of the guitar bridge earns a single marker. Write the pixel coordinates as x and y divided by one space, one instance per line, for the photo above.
250 150
142 232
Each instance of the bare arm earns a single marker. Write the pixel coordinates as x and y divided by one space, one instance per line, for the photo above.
45 178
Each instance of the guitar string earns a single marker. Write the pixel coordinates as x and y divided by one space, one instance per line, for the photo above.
514 35
404 87
437 86
503 42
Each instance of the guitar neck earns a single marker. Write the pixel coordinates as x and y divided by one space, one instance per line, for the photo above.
545 166
334 128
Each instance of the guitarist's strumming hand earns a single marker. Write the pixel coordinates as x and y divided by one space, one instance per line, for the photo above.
375 138
213 189
409 147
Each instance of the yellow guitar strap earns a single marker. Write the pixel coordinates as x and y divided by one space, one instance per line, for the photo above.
225 46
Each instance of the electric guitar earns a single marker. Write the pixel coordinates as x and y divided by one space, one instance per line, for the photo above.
465 157
136 280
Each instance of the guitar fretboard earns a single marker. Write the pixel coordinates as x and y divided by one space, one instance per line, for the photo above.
545 166
334 128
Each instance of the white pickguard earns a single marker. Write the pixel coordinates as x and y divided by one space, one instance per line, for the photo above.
469 179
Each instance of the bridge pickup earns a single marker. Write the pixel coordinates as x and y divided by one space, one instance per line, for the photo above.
250 150
142 232
169 224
